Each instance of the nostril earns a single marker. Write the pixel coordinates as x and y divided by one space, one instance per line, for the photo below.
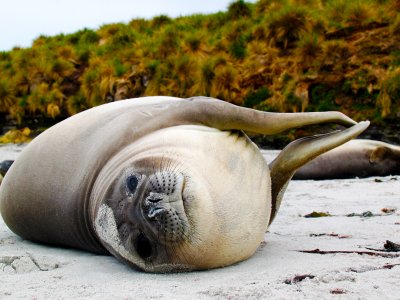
155 198
151 199
154 212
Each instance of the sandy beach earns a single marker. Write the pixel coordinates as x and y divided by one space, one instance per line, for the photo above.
364 213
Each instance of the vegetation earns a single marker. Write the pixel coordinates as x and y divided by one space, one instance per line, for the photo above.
289 55
16 136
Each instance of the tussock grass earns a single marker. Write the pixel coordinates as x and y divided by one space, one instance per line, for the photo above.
289 55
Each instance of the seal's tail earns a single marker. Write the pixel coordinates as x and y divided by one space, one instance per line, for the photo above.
301 151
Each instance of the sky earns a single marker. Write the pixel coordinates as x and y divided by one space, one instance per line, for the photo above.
21 21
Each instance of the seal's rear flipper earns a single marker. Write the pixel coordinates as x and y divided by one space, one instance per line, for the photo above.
225 116
301 151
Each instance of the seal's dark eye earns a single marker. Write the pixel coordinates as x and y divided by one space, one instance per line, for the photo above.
143 246
132 183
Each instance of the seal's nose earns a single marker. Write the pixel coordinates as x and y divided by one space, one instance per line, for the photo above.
156 204
163 206
165 193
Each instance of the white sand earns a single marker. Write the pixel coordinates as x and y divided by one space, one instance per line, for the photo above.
33 271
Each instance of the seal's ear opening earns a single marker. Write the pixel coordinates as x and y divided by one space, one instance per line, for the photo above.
301 151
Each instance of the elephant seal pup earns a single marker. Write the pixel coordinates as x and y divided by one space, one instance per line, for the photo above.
356 158
164 184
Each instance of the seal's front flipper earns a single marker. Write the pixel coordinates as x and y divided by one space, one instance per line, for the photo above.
301 151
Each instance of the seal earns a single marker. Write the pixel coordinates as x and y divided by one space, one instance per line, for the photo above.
357 158
164 184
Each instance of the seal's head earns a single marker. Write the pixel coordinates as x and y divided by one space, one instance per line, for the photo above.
174 200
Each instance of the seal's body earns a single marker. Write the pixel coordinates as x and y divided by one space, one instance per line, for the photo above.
356 158
162 183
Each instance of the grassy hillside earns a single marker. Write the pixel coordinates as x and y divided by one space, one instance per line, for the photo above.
291 55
